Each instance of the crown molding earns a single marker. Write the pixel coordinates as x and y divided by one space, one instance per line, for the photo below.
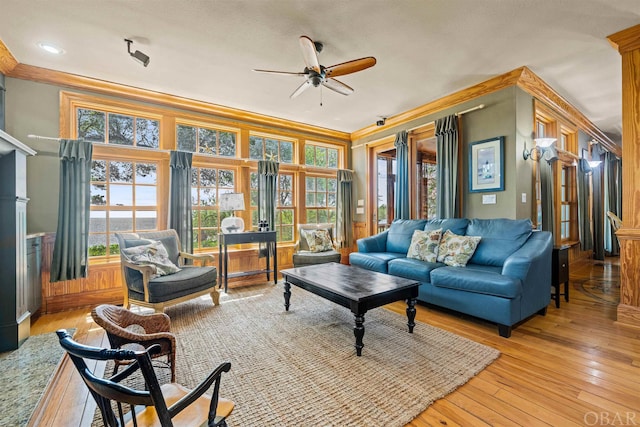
44 75
7 61
626 40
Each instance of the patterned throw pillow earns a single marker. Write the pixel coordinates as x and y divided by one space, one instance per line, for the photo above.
456 250
153 254
424 245
318 240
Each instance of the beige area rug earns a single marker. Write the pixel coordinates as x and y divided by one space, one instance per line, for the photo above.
300 367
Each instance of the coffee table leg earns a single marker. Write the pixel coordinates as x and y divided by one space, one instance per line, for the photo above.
411 314
358 331
287 295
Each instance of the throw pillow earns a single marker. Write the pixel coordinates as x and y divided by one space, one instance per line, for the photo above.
456 250
318 240
424 245
153 254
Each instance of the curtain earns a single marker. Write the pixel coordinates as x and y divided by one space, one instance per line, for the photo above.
344 214
267 192
584 220
402 176
546 193
447 167
70 251
611 201
598 207
180 218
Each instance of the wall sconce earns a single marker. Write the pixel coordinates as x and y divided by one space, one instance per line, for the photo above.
536 152
137 55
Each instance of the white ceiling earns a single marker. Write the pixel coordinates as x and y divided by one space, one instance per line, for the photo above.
426 49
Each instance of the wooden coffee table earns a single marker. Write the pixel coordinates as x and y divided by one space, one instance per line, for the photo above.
354 288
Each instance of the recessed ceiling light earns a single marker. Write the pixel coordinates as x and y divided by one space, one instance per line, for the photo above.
51 48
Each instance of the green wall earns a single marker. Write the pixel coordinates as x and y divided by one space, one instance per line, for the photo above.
507 113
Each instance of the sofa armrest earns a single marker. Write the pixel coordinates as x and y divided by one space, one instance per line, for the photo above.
377 243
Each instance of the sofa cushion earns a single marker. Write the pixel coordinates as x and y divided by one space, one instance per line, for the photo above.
301 259
185 282
413 269
400 233
374 261
481 281
456 225
500 238
456 250
424 245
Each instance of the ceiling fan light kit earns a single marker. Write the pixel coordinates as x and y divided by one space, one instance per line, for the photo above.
319 75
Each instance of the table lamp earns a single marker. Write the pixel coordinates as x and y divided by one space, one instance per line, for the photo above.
231 202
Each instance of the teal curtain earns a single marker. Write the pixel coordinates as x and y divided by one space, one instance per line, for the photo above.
546 193
344 214
598 206
584 193
447 168
402 176
70 251
612 202
267 191
180 217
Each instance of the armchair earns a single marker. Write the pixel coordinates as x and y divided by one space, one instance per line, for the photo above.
151 404
142 288
128 330
303 256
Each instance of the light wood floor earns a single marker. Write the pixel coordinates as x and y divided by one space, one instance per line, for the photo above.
573 367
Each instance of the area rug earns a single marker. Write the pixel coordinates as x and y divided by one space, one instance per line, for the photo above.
300 367
24 375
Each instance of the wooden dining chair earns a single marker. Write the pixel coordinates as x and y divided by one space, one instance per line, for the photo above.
150 404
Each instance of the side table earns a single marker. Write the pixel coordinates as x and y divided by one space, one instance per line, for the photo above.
560 272
226 239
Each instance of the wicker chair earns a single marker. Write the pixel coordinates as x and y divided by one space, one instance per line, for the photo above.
128 330
151 404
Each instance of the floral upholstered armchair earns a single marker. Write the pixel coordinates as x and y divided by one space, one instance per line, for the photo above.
315 245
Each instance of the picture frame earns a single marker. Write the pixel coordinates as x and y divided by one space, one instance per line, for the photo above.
486 165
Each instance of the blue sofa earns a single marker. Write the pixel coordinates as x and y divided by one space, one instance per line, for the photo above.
507 279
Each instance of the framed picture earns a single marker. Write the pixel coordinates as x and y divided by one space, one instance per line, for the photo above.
486 165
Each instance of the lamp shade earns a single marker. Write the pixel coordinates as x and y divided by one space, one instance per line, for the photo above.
544 142
232 202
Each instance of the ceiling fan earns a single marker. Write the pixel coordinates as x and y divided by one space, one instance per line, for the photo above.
316 74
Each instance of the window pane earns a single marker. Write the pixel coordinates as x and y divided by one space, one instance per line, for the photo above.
286 217
332 216
311 184
208 218
310 199
321 199
194 196
147 133
312 216
286 234
271 149
121 172
254 197
99 170
208 177
309 155
255 147
98 195
321 184
207 141
97 223
226 179
97 244
145 173
208 238
207 197
146 220
186 136
120 129
332 185
120 221
120 195
91 125
331 200
286 152
321 157
227 144
146 196
332 158
322 216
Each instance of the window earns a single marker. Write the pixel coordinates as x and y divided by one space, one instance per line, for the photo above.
206 186
568 202
268 148
428 190
285 207
206 140
119 129
320 156
320 199
123 199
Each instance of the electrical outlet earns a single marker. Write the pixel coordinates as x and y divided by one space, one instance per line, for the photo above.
524 197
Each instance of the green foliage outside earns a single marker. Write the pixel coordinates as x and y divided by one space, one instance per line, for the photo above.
101 250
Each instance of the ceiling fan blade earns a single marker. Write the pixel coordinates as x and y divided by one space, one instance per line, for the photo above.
350 66
287 73
309 53
337 86
304 86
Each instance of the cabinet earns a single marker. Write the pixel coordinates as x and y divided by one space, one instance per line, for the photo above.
34 267
560 273
15 317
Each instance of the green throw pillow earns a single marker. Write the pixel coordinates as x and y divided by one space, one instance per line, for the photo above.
456 250
424 245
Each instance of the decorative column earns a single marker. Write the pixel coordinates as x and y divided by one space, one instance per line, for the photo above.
627 42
